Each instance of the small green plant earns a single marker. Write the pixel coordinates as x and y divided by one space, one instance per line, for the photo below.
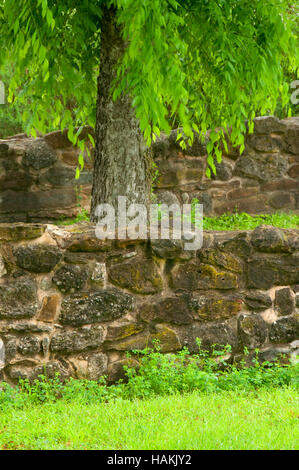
158 374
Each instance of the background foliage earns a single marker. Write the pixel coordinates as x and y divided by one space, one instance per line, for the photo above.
200 64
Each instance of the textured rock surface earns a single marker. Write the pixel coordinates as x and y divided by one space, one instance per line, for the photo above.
61 312
102 306
82 339
37 258
37 181
18 299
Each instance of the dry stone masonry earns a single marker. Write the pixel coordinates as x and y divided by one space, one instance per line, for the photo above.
264 179
37 176
73 304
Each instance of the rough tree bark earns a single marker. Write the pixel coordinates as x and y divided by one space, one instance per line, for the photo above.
121 162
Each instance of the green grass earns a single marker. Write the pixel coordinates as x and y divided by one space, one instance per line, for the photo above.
226 221
265 419
248 222
174 401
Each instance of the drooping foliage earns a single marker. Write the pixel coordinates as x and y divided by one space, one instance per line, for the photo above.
207 64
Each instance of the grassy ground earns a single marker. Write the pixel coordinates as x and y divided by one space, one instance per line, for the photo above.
226 221
266 419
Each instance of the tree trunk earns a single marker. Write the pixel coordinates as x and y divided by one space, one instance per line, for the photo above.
121 162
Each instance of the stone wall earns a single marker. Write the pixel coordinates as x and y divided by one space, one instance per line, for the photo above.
264 179
74 304
37 177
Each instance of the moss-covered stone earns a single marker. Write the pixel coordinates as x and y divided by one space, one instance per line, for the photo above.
207 308
196 276
222 259
19 232
167 339
122 331
269 240
209 334
37 258
138 275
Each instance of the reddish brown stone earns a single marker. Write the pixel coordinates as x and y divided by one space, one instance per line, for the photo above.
294 171
280 185
280 200
175 310
253 205
57 140
49 308
70 157
242 192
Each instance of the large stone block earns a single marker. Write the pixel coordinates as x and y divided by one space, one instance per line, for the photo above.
281 200
18 299
37 258
275 270
97 366
268 125
209 334
285 301
167 339
262 167
197 276
71 278
19 232
285 329
102 306
51 370
222 259
83 339
212 308
16 181
253 330
29 345
175 310
265 143
34 202
258 300
39 155
292 137
123 330
269 239
138 275
170 249
49 308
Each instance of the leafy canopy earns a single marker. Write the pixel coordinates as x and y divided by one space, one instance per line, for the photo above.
207 64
